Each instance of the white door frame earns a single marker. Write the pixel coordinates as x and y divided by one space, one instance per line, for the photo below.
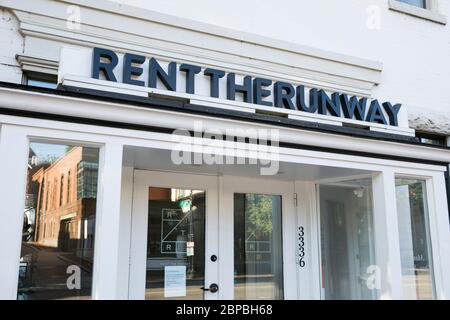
138 250
219 226
230 185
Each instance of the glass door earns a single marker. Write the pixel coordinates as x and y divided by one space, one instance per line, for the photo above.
174 242
258 249
259 215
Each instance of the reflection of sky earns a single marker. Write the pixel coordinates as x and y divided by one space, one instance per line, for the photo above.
42 84
47 150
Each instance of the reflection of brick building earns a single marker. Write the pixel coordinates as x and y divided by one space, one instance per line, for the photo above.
65 205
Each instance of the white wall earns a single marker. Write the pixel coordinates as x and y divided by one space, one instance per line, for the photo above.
11 43
414 52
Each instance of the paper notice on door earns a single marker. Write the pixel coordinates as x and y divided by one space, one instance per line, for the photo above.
174 281
190 248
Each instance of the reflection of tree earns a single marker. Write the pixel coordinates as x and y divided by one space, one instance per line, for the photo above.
259 208
415 190
69 148
47 160
415 195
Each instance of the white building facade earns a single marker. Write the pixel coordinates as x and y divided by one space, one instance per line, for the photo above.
244 150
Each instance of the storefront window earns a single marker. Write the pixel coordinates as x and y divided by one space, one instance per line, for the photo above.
57 254
41 80
258 259
415 246
437 140
417 3
347 240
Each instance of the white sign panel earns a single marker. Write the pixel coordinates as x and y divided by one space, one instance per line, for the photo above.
174 281
126 73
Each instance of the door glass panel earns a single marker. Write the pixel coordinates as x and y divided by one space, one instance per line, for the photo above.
175 244
347 240
415 246
258 259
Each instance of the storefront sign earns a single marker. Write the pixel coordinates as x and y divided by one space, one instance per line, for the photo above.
254 90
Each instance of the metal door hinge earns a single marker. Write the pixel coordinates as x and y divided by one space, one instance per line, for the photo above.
295 200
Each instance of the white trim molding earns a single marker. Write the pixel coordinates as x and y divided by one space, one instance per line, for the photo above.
15 167
176 39
109 86
205 28
36 64
91 109
431 12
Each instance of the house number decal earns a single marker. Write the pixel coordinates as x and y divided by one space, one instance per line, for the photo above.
301 246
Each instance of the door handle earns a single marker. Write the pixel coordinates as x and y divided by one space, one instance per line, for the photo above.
213 287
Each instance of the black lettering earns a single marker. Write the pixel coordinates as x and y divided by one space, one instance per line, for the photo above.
353 107
169 79
301 101
245 88
106 67
214 75
392 112
259 93
191 71
326 104
129 70
283 94
375 113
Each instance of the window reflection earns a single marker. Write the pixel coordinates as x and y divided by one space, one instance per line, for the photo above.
417 3
258 259
59 222
427 138
415 246
347 240
42 80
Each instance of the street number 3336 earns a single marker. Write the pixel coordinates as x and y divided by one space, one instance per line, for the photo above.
301 246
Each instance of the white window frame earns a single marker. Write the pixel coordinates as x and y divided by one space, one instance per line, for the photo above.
436 222
36 64
15 141
430 221
430 13
386 232
318 290
33 65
